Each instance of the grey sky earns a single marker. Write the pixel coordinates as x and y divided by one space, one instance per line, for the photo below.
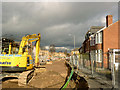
55 20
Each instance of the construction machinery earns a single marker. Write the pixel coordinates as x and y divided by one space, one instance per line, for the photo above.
22 64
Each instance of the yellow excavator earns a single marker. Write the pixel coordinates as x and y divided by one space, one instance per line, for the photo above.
22 64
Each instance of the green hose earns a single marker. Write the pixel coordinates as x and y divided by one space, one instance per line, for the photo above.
72 71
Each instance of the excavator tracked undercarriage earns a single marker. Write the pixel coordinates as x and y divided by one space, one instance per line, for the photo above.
21 65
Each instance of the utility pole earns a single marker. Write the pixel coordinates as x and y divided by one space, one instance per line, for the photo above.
73 38
74 41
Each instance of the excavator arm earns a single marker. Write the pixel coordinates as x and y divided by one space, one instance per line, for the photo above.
26 40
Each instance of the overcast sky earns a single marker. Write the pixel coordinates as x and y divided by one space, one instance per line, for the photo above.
55 20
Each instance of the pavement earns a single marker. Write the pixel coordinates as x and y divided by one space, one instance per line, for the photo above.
95 81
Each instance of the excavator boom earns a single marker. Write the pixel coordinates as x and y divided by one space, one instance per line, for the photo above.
22 61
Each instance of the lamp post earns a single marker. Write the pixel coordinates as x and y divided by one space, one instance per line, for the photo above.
74 39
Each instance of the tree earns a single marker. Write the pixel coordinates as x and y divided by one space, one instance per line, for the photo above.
52 48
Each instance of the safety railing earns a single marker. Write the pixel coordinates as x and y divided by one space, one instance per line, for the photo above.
104 64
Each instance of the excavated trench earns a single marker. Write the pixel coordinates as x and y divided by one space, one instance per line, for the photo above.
55 75
76 80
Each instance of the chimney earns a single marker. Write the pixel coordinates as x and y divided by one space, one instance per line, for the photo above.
109 20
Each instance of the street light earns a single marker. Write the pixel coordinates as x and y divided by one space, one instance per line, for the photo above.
74 57
74 39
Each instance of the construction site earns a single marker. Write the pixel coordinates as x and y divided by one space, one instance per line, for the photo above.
54 45
48 76
23 69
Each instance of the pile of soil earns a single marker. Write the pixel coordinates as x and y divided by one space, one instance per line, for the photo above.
53 76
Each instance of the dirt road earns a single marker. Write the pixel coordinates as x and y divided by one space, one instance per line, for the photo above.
52 77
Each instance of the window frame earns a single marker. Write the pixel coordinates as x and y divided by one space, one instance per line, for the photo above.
98 38
92 41
99 55
101 37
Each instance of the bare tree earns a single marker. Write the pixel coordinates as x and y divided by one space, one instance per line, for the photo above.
52 48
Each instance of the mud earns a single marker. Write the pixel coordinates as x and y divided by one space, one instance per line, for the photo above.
53 76
50 76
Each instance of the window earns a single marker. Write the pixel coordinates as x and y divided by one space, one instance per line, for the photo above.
98 55
98 38
92 41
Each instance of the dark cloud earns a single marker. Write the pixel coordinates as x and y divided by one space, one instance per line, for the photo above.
55 20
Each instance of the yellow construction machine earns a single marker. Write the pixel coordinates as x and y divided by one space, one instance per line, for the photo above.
21 65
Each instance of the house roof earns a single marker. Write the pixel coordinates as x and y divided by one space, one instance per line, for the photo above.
94 29
105 27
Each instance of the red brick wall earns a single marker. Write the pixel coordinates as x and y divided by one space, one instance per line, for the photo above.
86 45
98 46
92 47
110 40
109 20
98 64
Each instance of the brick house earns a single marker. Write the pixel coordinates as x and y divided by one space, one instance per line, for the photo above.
110 38
87 45
100 42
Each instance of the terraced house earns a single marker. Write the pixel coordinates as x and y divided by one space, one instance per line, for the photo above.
100 42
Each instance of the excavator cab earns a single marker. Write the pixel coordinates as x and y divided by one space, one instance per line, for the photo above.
23 60
5 51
